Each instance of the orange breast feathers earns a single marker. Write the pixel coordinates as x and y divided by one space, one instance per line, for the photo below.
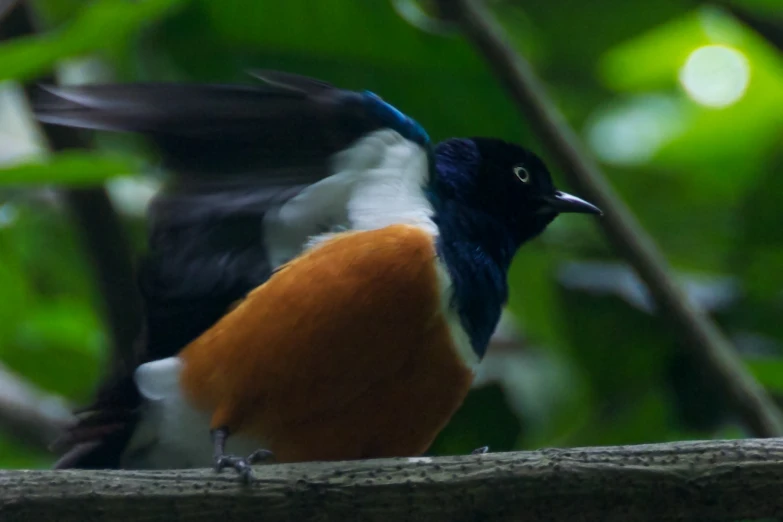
344 353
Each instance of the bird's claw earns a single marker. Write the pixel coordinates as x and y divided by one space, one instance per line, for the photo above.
242 465
260 455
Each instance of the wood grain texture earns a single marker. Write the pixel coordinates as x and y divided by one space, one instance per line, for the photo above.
719 480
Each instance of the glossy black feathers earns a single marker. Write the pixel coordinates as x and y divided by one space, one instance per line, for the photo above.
287 126
236 151
206 251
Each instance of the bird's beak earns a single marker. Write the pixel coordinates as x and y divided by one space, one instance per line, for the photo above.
561 202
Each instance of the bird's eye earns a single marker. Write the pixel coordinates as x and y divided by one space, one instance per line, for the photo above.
522 174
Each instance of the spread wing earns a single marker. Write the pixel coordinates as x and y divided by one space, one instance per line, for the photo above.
238 153
284 128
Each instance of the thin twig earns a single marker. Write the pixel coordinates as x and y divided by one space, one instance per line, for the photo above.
5 8
722 480
30 415
768 26
698 333
98 224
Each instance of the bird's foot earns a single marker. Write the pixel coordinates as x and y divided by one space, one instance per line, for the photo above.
483 450
242 465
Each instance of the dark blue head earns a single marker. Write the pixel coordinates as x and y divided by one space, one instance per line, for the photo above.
503 183
490 197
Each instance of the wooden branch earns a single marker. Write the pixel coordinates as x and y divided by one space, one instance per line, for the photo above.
698 333
5 7
767 25
98 224
724 480
30 415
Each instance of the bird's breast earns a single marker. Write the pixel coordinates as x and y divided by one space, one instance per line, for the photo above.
349 351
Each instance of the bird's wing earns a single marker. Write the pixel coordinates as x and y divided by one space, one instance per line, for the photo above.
280 132
237 151
281 128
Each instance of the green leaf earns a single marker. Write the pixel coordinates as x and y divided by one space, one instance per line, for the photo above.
15 291
100 25
72 167
60 347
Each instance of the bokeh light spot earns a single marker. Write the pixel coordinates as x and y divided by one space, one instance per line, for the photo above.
715 75
631 131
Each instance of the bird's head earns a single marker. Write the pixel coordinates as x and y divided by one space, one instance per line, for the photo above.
503 183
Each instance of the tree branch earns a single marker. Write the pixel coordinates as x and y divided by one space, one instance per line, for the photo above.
29 414
769 26
98 224
698 333
725 480
5 7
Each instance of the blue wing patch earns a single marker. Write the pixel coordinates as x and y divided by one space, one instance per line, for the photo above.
394 119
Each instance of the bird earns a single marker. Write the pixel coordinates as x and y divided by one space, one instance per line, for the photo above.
321 279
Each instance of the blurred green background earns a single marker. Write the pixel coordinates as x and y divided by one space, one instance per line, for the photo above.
681 102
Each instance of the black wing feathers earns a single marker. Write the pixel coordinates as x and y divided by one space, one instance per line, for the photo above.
236 151
290 123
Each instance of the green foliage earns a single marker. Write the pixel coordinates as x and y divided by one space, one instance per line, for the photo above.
72 167
595 366
100 25
58 347
768 371
49 332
